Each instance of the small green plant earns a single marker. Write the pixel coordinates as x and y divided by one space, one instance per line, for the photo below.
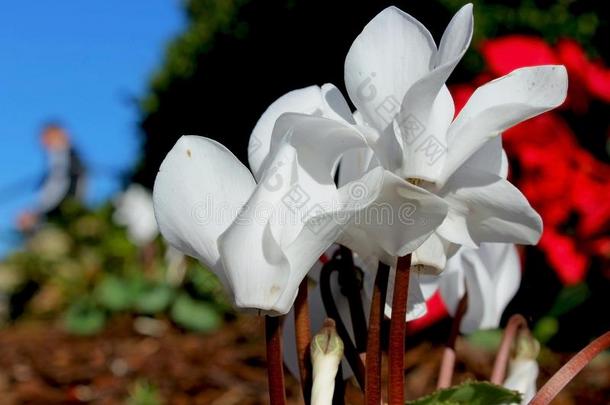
144 393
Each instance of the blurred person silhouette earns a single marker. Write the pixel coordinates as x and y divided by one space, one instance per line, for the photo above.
64 178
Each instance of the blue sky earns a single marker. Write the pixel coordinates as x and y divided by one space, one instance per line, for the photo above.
80 62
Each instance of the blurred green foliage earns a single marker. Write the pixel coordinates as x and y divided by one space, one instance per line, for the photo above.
470 393
82 268
144 393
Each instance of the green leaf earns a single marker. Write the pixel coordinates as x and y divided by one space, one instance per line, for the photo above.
84 318
195 315
470 393
154 299
114 293
569 298
486 339
546 328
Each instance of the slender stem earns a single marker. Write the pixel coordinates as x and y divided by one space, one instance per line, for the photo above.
302 328
570 370
350 287
372 389
396 347
351 354
515 323
275 367
448 362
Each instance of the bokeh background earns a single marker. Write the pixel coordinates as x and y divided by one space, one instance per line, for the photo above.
126 79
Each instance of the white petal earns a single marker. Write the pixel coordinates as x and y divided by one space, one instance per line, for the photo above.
354 164
452 285
399 220
334 104
491 275
500 104
424 143
505 267
200 188
392 52
419 98
456 38
490 158
430 257
307 101
484 207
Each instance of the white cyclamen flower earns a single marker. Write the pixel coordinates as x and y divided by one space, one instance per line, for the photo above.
261 234
395 76
134 210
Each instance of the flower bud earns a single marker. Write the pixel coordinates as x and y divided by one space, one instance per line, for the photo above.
326 354
523 368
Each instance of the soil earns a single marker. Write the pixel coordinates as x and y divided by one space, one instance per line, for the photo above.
42 364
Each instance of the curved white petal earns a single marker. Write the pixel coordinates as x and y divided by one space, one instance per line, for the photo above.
430 257
392 52
424 143
354 164
307 100
505 267
325 101
490 275
490 158
500 104
484 207
397 221
200 188
420 97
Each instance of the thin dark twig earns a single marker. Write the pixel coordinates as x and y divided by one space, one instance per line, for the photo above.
351 354
351 285
373 349
302 326
515 323
396 346
448 362
275 366
570 370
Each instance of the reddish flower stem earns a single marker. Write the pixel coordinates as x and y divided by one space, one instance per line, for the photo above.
515 323
570 370
275 366
302 329
372 389
396 347
448 362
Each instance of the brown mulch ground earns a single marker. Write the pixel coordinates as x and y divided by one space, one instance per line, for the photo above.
41 364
